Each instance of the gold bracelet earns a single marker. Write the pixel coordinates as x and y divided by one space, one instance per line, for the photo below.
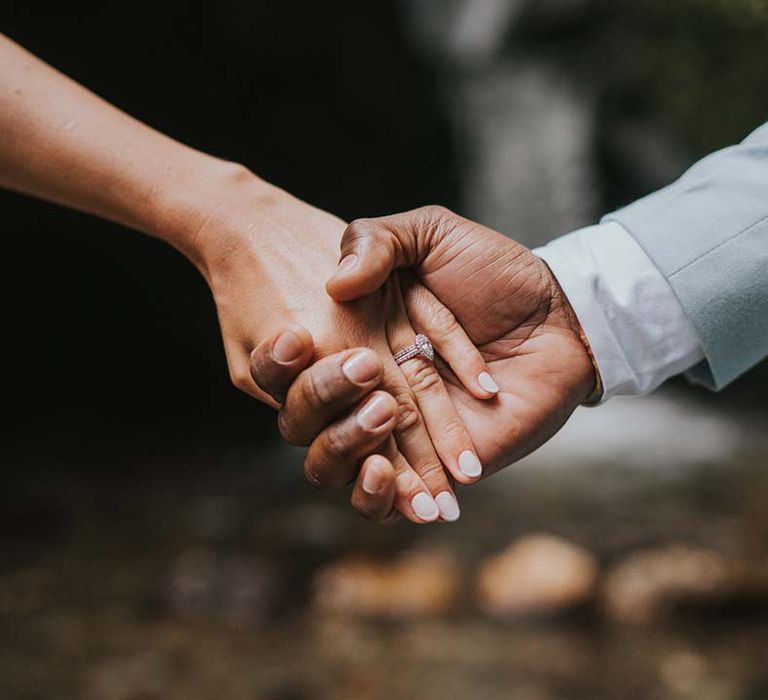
596 395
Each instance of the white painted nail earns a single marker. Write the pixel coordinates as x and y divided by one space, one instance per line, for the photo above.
425 507
448 505
486 381
469 464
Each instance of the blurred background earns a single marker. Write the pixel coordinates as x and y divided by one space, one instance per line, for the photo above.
157 540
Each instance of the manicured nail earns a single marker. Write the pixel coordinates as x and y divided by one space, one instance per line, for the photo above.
372 482
448 505
361 367
469 464
425 507
347 263
287 347
485 380
376 413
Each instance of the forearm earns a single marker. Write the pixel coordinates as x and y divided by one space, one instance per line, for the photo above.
708 235
60 142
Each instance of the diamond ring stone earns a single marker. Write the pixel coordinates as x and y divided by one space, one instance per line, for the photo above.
421 346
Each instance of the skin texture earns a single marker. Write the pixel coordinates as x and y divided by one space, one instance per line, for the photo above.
265 255
509 304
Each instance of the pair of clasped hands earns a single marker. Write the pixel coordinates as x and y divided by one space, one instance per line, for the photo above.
312 310
510 368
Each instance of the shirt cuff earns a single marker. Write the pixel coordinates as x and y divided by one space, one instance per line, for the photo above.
639 333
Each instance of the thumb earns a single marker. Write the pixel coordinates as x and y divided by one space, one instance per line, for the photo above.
370 251
277 361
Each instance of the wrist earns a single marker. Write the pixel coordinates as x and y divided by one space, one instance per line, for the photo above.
586 372
192 212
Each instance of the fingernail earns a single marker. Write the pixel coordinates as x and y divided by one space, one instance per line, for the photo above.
361 368
425 507
469 464
372 482
485 380
346 264
375 413
448 506
287 347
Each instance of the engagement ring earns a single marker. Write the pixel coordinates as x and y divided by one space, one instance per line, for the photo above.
421 346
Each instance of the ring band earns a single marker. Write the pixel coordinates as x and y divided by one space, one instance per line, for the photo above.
421 346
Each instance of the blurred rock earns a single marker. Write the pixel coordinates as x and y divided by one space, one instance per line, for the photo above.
421 582
212 518
645 586
683 671
539 574
139 675
316 525
236 589
687 674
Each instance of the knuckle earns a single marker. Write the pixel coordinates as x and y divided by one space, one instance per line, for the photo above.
444 322
359 229
453 430
337 443
432 473
408 416
317 390
422 376
287 429
362 224
436 212
438 220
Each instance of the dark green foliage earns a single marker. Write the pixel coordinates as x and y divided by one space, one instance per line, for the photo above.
699 66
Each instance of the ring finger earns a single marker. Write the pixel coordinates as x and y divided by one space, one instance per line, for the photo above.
445 429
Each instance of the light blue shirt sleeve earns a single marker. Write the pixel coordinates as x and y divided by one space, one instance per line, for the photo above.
707 234
636 327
